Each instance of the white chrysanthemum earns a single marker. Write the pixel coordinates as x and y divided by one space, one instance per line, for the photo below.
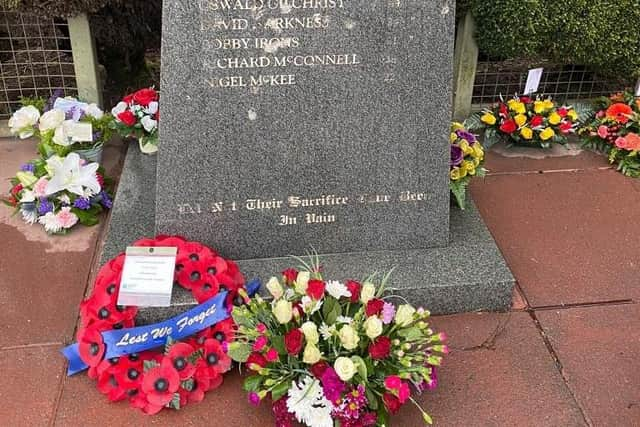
50 223
289 293
337 289
29 216
310 306
27 196
344 320
64 199
327 331
308 403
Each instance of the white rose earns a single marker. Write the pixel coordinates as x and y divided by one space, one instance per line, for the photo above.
310 331
302 280
149 124
152 108
94 111
121 107
51 120
345 368
348 337
373 327
367 293
274 288
22 122
311 354
404 315
63 133
283 310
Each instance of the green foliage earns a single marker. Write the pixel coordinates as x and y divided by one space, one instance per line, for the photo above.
601 34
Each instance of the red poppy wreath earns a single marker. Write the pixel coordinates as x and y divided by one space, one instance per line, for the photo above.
182 373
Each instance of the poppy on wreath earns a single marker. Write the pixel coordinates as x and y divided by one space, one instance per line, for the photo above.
160 383
179 354
216 360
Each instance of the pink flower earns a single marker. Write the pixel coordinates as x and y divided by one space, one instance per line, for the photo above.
600 114
40 187
260 343
621 142
272 355
261 328
66 218
403 392
388 313
392 382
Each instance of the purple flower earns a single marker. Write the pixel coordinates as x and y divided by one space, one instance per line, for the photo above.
82 204
45 207
388 313
28 167
254 399
58 93
96 136
468 136
457 156
351 406
432 383
105 200
332 385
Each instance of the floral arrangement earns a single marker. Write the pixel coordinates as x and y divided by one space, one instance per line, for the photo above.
181 372
614 129
525 121
467 158
59 193
62 124
137 116
326 350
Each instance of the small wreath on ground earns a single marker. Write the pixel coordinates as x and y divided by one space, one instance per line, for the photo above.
185 371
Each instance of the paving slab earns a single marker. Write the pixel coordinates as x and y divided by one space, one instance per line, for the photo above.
505 377
564 234
514 159
29 385
599 349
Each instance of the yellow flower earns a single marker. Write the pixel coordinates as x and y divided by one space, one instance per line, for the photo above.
310 332
453 137
404 315
554 118
548 104
572 115
283 311
367 292
517 106
526 133
455 174
470 167
538 107
348 337
302 280
546 134
478 151
274 288
373 327
476 161
488 118
456 126
520 119
345 368
466 148
311 354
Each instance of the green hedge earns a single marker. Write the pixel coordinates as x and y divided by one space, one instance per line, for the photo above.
602 34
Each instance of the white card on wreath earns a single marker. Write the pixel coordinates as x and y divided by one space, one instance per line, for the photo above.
638 88
533 81
147 276
82 132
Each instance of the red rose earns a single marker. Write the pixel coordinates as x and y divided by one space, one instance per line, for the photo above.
128 99
293 341
565 127
391 403
354 287
16 190
504 111
318 369
562 111
258 359
536 121
144 97
380 348
374 307
508 126
290 275
525 99
100 179
315 289
127 117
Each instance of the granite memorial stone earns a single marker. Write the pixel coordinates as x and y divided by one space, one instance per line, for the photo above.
291 124
297 123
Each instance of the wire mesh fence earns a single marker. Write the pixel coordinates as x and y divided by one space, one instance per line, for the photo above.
35 59
564 83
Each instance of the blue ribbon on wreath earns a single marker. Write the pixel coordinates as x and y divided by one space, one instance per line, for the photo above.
122 342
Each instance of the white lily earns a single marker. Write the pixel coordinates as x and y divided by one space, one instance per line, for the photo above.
72 176
22 122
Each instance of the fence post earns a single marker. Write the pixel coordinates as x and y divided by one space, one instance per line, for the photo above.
85 60
465 64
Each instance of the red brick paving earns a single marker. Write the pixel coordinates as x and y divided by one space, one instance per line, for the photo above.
599 348
564 234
